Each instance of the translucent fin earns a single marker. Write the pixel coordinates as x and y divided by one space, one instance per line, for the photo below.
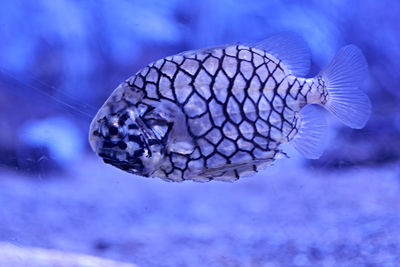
343 76
233 171
291 49
205 50
311 137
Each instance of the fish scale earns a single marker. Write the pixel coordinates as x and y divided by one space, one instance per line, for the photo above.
222 86
222 113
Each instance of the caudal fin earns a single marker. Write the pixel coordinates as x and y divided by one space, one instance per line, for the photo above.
342 77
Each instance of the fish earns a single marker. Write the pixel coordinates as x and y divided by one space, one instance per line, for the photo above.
222 113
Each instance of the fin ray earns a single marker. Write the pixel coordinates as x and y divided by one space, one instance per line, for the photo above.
343 76
233 171
311 137
291 49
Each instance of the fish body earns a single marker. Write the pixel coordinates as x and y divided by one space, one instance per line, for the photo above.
222 113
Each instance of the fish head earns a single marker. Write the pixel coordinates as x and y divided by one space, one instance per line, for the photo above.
130 135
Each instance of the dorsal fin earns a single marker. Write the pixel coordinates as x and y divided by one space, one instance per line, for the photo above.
205 50
291 49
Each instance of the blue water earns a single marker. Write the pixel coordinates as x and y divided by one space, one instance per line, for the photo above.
60 60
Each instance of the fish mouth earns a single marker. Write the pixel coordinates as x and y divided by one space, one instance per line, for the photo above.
135 167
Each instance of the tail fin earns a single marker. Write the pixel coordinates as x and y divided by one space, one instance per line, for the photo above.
342 77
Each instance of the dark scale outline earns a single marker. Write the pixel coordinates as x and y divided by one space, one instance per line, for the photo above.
194 91
262 86
224 106
171 79
159 96
207 101
201 66
228 137
301 89
271 76
321 85
246 95
224 103
288 94
244 89
273 108
222 135
161 74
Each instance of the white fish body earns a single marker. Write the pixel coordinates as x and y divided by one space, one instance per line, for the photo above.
222 113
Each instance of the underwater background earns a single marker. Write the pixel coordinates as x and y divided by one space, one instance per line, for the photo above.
60 60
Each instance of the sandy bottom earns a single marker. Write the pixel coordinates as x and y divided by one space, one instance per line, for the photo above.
284 216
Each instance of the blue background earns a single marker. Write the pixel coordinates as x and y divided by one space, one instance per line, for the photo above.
60 60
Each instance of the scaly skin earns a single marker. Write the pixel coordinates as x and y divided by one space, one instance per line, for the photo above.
219 113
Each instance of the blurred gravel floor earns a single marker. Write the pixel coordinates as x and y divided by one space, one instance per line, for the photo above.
16 256
284 216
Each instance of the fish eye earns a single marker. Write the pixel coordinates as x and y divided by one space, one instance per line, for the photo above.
112 131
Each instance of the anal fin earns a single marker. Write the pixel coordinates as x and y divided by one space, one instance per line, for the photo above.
311 136
233 171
